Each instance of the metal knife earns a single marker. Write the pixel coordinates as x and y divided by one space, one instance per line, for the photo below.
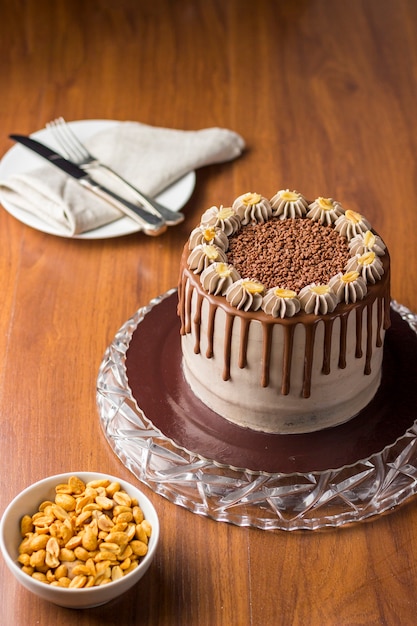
151 224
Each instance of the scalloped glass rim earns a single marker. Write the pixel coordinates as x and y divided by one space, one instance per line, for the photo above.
279 501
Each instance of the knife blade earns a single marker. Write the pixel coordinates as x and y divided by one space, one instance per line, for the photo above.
172 218
151 223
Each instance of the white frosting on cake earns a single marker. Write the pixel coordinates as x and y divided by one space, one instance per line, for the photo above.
241 399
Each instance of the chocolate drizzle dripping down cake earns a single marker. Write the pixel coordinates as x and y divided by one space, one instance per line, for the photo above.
283 325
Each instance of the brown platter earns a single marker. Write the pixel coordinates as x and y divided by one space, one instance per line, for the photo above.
154 374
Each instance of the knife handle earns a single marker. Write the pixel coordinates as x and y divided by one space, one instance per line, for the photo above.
151 223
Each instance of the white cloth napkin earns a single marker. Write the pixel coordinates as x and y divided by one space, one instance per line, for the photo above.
149 157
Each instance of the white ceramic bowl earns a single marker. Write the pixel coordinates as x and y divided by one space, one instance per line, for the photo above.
27 502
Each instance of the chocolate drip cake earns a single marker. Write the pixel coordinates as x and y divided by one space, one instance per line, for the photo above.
284 304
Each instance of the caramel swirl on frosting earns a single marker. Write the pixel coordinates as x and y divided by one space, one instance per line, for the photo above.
325 210
203 255
208 235
288 204
351 224
245 294
367 242
280 302
368 265
348 287
318 299
224 218
252 208
218 277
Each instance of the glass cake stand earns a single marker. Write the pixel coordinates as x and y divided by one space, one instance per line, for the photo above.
181 450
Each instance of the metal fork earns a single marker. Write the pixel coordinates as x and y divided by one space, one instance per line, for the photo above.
75 151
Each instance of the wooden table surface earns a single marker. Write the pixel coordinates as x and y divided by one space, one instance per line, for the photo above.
324 93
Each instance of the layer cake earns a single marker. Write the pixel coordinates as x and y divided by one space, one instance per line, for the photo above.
284 304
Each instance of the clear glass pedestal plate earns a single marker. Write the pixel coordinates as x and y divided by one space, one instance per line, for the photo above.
166 438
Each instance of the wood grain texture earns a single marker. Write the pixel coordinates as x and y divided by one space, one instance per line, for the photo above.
324 93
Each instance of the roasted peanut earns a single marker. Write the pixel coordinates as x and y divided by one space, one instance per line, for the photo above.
26 525
81 570
125 564
104 522
24 547
100 482
127 552
105 502
76 485
43 521
66 555
116 572
50 576
38 542
82 502
52 553
78 582
89 540
123 499
81 553
59 512
64 488
91 534
137 514
74 542
105 555
37 560
66 501
39 576
126 516
61 571
64 581
139 548
147 527
82 518
112 489
118 538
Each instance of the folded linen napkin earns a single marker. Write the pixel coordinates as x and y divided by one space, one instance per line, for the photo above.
149 157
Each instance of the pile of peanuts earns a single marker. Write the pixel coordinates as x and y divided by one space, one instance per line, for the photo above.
92 534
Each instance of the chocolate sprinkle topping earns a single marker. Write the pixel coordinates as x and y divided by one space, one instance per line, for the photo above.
290 253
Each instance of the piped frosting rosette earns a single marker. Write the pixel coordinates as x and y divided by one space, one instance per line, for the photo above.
281 302
211 235
224 218
204 255
218 277
367 242
351 224
209 243
318 299
325 210
368 265
348 287
252 208
288 204
246 294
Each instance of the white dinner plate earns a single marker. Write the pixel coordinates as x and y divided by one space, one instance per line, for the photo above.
20 160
